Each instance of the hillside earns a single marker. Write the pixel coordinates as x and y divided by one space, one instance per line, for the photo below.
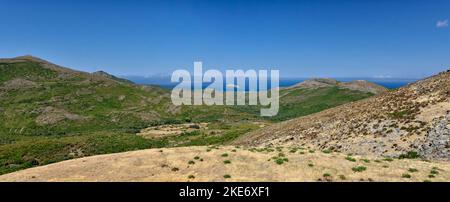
410 122
358 85
315 95
228 163
50 113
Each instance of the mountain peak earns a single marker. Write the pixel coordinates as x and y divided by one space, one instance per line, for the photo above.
110 76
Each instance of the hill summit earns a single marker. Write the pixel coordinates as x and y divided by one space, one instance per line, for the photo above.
360 85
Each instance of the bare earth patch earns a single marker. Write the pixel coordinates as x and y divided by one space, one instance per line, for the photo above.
237 164
171 130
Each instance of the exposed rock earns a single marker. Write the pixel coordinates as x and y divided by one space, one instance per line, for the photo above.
51 115
17 84
364 86
437 142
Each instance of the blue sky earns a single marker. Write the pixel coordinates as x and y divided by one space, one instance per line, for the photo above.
345 38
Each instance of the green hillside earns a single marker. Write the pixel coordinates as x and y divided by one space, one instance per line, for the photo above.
296 102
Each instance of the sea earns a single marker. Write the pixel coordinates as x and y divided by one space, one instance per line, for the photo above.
390 83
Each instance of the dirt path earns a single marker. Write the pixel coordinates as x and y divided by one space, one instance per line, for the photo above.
233 164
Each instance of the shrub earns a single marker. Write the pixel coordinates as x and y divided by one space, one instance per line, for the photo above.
406 175
388 159
359 169
409 155
227 162
191 176
434 172
349 158
227 176
224 155
326 151
191 162
175 169
365 160
280 161
412 170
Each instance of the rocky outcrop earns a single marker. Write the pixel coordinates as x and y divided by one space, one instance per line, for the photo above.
437 141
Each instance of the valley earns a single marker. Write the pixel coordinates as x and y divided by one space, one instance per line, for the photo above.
51 113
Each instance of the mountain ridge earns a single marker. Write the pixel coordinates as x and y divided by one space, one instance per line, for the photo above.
360 85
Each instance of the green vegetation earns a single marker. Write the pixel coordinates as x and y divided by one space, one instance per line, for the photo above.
227 176
359 169
388 159
349 158
406 175
227 162
412 170
409 155
34 151
280 159
402 114
297 102
434 172
326 151
326 175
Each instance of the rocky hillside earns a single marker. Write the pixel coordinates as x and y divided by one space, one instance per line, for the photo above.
409 122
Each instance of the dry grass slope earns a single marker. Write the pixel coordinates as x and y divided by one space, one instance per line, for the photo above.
234 164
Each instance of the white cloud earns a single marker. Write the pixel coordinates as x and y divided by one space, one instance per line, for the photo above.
442 23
